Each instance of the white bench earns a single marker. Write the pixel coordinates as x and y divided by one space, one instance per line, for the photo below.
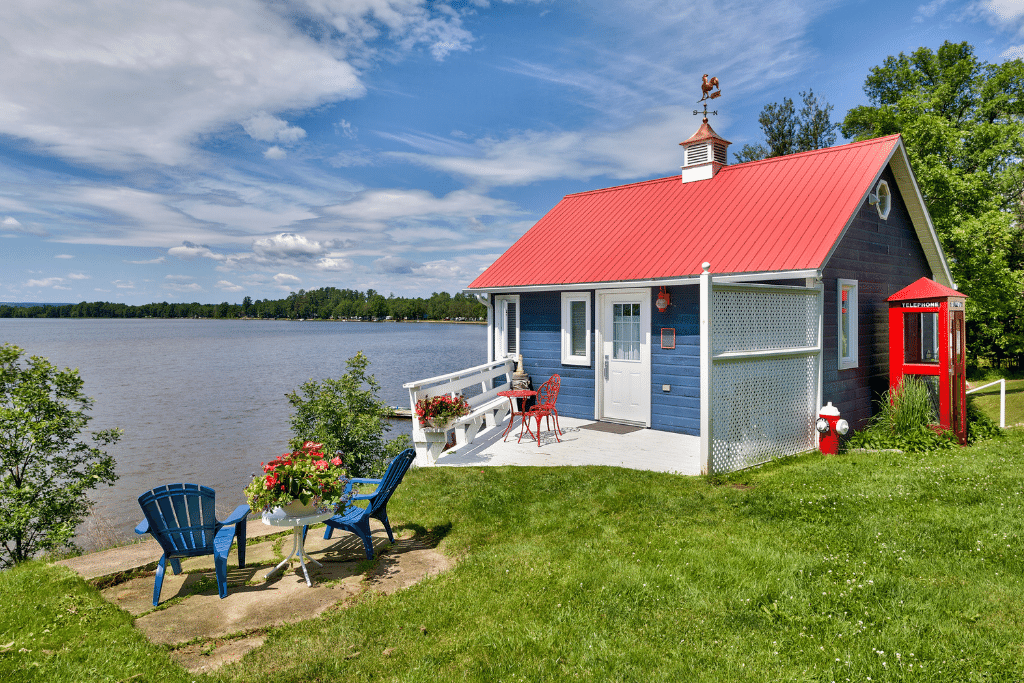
487 409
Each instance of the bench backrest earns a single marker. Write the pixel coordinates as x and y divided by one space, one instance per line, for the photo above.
489 377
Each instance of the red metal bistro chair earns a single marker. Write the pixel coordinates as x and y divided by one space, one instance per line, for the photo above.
547 396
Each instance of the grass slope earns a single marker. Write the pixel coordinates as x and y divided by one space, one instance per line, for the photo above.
988 400
878 566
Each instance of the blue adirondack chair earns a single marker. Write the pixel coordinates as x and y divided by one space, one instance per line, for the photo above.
357 519
181 518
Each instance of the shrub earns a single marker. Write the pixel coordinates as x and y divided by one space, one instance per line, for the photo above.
902 421
46 468
345 415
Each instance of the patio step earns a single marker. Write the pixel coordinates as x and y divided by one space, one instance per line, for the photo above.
127 558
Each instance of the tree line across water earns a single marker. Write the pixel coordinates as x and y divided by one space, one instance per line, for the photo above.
326 303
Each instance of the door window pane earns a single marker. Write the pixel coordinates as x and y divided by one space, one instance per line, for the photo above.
626 332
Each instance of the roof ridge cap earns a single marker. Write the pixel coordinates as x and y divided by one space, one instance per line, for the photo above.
823 150
624 185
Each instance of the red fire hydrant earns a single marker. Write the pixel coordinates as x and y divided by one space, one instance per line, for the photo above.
830 427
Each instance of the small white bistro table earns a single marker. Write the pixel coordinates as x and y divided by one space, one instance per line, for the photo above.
279 517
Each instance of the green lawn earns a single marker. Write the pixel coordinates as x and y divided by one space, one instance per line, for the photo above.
879 566
988 400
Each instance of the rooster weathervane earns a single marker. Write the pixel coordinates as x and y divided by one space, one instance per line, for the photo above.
710 90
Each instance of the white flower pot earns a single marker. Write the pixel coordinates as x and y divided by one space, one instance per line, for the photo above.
296 509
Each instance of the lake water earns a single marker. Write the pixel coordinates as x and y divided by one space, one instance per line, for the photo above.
204 400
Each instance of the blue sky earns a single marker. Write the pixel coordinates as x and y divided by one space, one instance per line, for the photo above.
205 150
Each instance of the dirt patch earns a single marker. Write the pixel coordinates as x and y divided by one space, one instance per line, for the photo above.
215 654
192 612
407 563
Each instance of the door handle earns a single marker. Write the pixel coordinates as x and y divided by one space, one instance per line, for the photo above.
606 367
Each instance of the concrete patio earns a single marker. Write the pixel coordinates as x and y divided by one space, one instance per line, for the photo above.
583 442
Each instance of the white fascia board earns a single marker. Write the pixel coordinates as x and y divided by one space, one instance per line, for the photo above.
919 215
918 211
661 282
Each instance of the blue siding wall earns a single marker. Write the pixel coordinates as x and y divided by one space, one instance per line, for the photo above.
540 329
676 410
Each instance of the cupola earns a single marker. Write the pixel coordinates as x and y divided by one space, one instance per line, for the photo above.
706 154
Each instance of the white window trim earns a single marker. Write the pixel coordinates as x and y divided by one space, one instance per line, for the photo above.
500 326
567 356
883 206
849 361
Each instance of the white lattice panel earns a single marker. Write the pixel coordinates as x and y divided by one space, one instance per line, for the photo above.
762 406
762 409
746 319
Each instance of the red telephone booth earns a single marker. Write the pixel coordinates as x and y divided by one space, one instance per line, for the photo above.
926 339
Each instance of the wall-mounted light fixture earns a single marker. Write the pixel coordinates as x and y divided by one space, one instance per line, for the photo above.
663 300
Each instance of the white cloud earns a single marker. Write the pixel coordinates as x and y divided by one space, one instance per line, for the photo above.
78 276
179 278
345 128
10 222
1005 12
269 128
152 261
126 80
396 265
643 149
334 263
189 250
64 256
376 206
275 153
123 284
228 286
285 278
287 245
48 282
930 10
182 287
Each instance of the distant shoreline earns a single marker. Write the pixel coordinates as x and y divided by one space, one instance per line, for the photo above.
282 320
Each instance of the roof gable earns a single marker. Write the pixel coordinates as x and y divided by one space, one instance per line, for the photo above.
781 214
923 288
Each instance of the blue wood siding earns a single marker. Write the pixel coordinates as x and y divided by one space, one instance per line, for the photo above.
676 410
540 330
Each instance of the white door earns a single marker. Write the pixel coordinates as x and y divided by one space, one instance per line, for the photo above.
626 332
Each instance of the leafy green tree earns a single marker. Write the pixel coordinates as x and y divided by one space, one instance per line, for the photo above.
46 468
345 415
786 131
962 121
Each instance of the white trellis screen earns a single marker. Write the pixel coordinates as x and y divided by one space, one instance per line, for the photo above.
760 372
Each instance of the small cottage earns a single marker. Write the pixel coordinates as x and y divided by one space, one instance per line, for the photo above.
728 302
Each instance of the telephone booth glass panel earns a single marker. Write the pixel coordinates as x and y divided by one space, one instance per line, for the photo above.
921 337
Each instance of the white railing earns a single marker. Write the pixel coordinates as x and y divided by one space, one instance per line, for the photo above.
1002 399
488 410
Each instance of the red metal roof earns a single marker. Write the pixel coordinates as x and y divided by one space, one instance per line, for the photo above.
784 213
925 289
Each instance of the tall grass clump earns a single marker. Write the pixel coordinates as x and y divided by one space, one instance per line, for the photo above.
902 421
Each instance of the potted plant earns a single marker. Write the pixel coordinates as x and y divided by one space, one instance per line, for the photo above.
440 411
302 482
